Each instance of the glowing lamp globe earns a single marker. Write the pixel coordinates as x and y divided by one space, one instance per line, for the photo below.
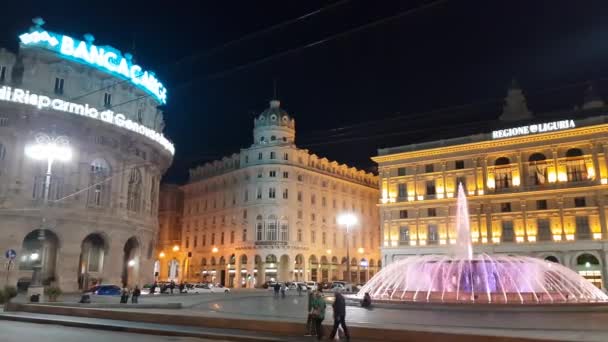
347 219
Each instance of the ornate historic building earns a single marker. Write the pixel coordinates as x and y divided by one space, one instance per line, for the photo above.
81 157
535 187
270 213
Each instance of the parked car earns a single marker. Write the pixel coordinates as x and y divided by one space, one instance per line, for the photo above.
104 290
345 286
269 284
312 285
145 290
208 288
300 284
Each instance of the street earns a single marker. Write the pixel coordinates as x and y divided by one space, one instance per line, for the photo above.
19 332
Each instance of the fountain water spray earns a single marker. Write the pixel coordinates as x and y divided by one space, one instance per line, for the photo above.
459 276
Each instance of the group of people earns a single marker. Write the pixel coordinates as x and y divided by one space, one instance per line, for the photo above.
168 287
125 293
316 315
279 287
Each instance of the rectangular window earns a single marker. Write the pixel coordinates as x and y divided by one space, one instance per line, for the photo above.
285 193
244 237
222 238
313 217
580 202
285 174
299 235
246 159
324 238
583 232
259 194
107 100
2 73
299 196
508 235
505 207
195 244
187 242
431 212
459 164
273 155
286 156
272 174
430 188
429 168
232 236
541 205
260 156
313 199
300 178
300 215
246 195
59 82
271 193
432 234
313 236
403 214
544 230
401 171
333 204
402 190
323 201
245 213
204 240
404 235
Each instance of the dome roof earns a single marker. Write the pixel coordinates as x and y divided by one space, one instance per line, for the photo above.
274 114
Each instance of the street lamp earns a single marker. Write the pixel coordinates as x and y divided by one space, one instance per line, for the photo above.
347 219
50 149
176 248
161 254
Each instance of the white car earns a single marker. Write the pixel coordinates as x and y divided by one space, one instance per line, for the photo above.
208 288
312 285
302 285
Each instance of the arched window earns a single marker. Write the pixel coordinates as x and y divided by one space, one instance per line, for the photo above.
134 191
502 173
575 165
259 231
551 258
99 184
271 228
537 168
284 231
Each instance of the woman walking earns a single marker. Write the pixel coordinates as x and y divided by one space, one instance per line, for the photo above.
318 313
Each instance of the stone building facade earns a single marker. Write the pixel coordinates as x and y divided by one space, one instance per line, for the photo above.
98 221
270 213
535 188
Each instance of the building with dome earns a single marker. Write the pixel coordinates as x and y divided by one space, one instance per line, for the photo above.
537 185
270 212
89 214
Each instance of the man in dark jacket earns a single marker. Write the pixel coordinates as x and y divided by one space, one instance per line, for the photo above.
339 307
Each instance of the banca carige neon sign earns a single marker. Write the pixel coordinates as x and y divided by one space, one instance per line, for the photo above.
105 58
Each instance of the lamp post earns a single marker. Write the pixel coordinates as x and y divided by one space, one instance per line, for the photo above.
50 149
347 219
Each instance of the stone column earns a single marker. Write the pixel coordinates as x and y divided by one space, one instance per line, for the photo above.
488 213
596 164
605 149
114 263
250 268
525 214
485 175
555 164
601 207
445 183
560 205
521 170
475 175
237 274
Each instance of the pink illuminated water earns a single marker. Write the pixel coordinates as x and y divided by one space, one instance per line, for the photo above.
460 276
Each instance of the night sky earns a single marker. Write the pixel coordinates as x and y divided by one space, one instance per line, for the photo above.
398 82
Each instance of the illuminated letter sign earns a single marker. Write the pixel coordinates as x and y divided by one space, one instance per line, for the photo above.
105 58
25 97
533 129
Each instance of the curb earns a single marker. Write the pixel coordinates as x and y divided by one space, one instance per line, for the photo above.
140 330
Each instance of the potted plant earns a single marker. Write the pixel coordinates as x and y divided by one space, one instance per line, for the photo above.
9 293
52 292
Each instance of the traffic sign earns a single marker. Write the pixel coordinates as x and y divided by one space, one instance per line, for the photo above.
10 254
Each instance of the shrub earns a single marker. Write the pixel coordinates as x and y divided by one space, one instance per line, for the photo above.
52 292
9 293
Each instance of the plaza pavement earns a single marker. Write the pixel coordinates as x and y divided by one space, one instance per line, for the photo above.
261 305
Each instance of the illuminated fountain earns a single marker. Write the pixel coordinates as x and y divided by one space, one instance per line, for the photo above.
462 277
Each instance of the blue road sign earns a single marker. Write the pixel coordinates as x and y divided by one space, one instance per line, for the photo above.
10 254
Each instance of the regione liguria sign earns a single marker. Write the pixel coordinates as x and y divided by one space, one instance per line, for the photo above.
534 129
105 58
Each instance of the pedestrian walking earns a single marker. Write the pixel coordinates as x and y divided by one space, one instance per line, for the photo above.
124 295
309 319
318 313
135 296
283 289
339 307
277 288
299 290
181 287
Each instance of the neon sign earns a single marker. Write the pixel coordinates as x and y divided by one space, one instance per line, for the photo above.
26 97
533 129
105 58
